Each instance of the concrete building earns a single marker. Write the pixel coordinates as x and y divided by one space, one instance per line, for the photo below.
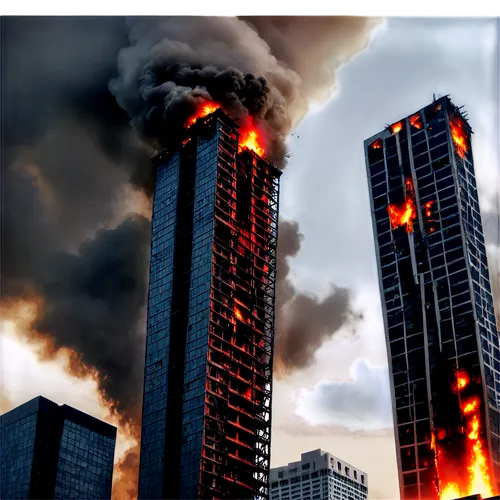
206 425
318 475
51 451
442 339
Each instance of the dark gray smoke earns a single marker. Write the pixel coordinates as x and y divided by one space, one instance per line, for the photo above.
304 322
73 151
173 65
67 153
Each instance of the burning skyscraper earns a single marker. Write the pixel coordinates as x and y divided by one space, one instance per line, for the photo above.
209 353
442 339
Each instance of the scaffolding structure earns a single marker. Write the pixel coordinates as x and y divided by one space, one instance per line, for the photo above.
237 432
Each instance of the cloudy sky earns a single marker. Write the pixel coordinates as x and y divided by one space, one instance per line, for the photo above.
340 403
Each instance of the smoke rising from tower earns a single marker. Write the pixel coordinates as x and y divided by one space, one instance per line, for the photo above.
83 123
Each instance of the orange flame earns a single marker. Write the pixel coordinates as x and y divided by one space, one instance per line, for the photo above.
416 121
479 482
250 139
450 492
471 406
377 144
404 213
459 136
462 381
397 127
205 110
238 314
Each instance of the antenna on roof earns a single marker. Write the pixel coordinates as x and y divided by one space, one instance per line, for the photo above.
433 97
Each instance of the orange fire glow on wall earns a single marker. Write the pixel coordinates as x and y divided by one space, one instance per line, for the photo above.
459 136
397 127
416 121
478 481
403 214
250 139
202 111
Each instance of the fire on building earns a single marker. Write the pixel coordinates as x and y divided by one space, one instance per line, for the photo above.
220 303
442 340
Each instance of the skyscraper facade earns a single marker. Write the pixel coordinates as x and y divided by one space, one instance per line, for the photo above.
442 339
51 451
209 348
318 475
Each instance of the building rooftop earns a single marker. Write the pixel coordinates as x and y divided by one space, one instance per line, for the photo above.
67 412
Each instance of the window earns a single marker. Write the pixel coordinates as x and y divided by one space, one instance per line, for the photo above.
362 479
306 466
355 474
280 474
346 470
339 466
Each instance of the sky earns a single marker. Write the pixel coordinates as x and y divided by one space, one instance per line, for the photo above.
341 403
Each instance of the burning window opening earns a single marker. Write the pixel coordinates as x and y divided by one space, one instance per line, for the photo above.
377 144
459 135
397 127
478 480
416 121
404 213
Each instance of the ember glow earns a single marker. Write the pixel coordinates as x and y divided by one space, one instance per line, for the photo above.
478 481
459 136
250 139
203 111
427 209
405 213
428 206
416 121
377 144
397 127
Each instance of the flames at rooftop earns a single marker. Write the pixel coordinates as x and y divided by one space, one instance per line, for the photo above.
250 137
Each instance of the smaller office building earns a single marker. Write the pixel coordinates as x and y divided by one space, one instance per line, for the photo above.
52 451
318 476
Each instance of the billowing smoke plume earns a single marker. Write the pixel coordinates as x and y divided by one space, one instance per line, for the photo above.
84 101
174 65
303 322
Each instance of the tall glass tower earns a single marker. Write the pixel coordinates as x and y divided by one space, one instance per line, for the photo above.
210 331
442 340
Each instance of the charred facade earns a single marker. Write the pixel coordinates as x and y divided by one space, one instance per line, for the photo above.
442 339
210 332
